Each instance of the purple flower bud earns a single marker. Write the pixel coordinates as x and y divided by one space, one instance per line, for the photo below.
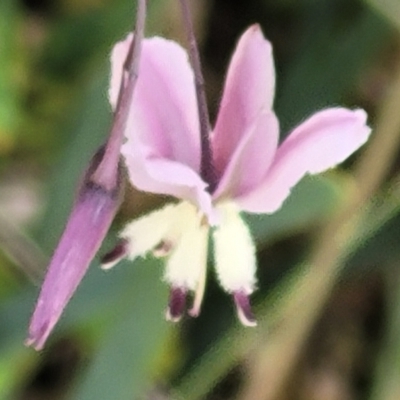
87 226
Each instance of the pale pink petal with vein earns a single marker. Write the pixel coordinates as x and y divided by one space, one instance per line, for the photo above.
163 112
162 150
249 90
321 142
251 159
160 175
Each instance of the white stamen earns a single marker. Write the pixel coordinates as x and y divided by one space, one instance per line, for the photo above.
176 307
201 284
244 320
187 261
109 265
234 252
112 258
145 233
163 249
243 308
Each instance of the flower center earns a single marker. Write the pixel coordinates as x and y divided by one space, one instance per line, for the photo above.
179 232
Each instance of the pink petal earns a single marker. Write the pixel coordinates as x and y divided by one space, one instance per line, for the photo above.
118 56
162 151
321 142
251 159
164 114
160 175
249 90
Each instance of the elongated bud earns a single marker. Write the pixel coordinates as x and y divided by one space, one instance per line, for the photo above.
93 212
98 200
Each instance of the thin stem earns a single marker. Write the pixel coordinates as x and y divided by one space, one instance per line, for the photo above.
207 171
106 175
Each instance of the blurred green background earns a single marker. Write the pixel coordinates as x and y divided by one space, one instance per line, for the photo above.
328 302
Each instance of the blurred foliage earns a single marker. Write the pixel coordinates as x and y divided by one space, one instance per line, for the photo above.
11 73
54 113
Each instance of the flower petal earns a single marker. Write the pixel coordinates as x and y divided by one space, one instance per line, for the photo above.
321 142
185 265
249 90
162 150
118 56
251 159
234 252
145 233
158 175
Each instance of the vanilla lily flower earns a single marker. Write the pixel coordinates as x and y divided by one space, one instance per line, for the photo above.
254 174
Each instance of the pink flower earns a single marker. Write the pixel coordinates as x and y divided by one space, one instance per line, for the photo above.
254 174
